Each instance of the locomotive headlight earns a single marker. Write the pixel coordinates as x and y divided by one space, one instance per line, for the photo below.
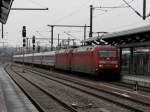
100 66
116 66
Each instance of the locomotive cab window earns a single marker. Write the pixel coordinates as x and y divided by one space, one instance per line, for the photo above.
107 53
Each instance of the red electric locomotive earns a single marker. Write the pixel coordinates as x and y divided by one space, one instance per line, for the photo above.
90 59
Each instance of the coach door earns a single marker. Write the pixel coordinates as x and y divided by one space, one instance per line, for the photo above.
141 64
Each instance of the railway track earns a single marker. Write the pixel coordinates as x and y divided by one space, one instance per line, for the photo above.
42 97
127 101
134 86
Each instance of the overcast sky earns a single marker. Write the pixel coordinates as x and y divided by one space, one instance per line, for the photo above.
75 12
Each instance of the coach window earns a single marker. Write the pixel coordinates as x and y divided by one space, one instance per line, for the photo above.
102 53
107 53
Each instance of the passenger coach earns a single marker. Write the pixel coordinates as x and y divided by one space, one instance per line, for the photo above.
42 59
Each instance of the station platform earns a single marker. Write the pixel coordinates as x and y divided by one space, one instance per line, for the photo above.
141 80
12 99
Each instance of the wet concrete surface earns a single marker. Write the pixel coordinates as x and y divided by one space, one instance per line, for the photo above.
12 99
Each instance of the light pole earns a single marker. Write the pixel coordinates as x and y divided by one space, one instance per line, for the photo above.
91 21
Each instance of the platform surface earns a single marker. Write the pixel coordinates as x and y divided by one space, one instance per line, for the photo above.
142 80
12 99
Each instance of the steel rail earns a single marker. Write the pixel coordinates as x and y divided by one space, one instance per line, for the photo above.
37 105
93 86
85 91
131 86
49 94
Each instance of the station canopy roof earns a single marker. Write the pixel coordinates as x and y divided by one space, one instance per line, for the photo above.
5 6
137 37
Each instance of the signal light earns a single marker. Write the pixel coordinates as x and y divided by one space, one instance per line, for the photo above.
24 31
116 66
24 42
33 39
100 66
33 47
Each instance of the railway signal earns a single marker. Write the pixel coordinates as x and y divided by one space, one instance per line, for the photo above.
33 42
24 35
24 31
24 43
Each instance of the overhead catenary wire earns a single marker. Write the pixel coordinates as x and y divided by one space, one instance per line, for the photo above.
100 3
72 13
106 10
148 15
70 35
74 31
69 15
111 8
133 8
70 31
130 25
39 4
114 7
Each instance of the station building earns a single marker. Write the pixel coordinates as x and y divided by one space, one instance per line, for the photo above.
134 47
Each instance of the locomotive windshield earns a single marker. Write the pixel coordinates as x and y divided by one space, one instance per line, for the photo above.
107 53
